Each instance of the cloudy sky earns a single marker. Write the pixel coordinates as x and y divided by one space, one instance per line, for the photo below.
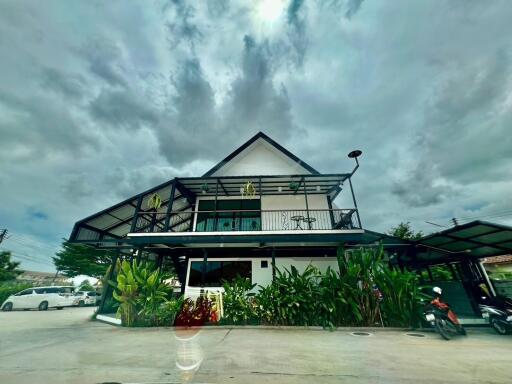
100 100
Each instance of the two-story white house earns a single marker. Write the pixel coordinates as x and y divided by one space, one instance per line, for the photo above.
260 207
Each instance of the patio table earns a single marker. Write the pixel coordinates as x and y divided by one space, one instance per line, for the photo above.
309 221
297 220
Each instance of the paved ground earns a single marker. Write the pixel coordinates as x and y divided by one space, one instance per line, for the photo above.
64 347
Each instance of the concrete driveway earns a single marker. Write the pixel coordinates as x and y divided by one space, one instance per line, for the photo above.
65 347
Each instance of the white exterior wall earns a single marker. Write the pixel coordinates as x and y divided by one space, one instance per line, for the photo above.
293 202
263 276
259 159
301 263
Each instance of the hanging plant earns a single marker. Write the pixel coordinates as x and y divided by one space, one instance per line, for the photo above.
155 201
248 190
294 186
204 188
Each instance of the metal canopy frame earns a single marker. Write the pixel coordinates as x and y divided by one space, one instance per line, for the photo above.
474 240
179 196
327 184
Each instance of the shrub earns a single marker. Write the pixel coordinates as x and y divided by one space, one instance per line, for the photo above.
10 288
401 303
142 294
238 301
166 314
364 292
194 313
291 298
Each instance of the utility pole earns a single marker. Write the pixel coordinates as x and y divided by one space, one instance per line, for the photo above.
3 235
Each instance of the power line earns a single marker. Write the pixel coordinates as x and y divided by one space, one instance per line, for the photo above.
502 211
490 217
30 243
26 258
33 247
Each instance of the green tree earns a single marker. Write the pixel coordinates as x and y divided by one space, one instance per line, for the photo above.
86 286
77 259
8 269
404 231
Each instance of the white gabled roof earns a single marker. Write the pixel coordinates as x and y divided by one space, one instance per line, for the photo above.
261 155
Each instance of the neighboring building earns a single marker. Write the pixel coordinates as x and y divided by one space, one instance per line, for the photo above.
263 206
499 269
498 264
43 278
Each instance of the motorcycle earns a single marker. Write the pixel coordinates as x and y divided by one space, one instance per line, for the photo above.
442 318
498 311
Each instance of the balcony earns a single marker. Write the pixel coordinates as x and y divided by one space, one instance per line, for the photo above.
249 220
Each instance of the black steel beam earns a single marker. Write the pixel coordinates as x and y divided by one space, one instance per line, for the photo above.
354 200
191 197
170 202
299 237
222 186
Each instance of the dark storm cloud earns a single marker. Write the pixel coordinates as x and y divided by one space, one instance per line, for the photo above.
181 27
297 33
103 57
98 103
466 133
192 117
254 103
36 126
352 8
122 109
68 85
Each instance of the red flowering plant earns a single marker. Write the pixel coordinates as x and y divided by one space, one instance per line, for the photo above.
195 314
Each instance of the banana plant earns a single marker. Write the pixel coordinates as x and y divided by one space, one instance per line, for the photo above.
154 291
141 291
127 293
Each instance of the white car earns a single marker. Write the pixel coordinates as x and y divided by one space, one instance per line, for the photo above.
83 298
40 298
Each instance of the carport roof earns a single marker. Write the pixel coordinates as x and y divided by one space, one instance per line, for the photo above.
477 239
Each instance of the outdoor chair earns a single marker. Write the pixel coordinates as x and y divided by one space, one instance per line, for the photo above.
344 222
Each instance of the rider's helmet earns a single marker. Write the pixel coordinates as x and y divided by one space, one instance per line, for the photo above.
438 291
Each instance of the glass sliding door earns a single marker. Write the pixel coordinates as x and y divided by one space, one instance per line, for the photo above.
231 215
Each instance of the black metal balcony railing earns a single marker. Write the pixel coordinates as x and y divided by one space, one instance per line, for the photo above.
248 220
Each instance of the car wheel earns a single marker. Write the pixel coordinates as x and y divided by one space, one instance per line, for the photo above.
498 327
81 303
43 306
7 307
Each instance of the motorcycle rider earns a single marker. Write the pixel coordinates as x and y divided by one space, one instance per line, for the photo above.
439 303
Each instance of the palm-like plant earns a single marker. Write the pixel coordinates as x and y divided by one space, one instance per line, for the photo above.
154 291
141 290
127 293
238 300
